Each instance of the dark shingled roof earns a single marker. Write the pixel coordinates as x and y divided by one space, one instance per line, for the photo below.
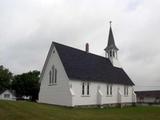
80 65
153 93
111 44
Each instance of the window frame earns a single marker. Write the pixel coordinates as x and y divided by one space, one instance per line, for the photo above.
126 88
113 54
109 90
53 76
110 53
88 91
50 77
85 91
83 88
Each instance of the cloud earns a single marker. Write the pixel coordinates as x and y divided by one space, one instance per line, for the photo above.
28 27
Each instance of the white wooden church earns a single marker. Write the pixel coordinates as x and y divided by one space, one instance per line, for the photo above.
72 77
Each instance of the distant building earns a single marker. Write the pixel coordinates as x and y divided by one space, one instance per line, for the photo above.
7 95
72 77
148 96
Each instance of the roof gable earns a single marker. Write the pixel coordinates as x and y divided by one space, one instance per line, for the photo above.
10 91
86 66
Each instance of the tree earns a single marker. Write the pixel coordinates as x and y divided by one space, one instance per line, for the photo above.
27 84
5 78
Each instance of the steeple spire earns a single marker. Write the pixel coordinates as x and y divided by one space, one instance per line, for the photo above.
111 49
111 42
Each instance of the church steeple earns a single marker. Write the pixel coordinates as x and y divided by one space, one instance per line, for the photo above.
111 49
111 43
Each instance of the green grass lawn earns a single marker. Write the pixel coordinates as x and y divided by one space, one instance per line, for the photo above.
20 110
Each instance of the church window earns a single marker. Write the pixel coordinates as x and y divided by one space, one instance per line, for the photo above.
88 88
109 89
85 89
50 77
53 76
55 81
113 54
110 53
126 90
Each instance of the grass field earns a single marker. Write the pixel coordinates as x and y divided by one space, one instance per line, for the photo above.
13 110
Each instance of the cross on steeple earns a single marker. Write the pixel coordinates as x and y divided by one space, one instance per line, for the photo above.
110 22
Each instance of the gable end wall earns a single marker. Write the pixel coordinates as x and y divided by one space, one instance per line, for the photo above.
58 94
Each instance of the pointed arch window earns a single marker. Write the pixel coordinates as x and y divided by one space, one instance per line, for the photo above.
50 77
53 76
55 79
110 53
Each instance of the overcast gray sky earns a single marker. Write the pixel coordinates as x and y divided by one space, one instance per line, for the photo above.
27 28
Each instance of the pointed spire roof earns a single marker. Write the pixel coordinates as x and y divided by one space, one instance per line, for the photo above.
111 43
